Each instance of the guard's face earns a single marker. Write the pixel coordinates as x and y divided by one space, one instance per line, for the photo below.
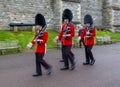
88 24
66 21
38 27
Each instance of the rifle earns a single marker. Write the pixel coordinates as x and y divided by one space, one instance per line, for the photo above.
42 31
88 30
68 28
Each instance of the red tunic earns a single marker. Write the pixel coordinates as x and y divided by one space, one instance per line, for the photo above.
88 40
68 40
41 48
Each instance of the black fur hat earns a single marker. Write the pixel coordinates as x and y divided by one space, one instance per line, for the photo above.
67 14
88 19
40 20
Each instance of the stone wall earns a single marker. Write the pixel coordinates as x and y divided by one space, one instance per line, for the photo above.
59 6
22 11
57 14
94 8
74 7
116 15
105 12
111 13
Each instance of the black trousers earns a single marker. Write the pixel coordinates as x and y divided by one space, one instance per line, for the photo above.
81 42
40 61
67 55
62 51
88 53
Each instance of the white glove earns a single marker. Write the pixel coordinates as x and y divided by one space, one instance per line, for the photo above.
79 38
29 45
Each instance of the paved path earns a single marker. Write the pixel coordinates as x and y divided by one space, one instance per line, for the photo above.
16 70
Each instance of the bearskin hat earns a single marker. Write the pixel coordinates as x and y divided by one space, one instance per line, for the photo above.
40 20
67 14
88 19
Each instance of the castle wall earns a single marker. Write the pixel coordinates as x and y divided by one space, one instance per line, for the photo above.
94 8
106 13
59 7
74 7
111 13
116 15
22 11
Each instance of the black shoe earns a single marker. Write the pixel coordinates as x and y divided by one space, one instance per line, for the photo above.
86 63
62 60
36 74
73 66
64 68
92 62
49 71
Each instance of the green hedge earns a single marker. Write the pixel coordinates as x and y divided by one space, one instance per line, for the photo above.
25 37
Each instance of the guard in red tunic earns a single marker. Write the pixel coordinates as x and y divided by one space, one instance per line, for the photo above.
40 46
88 34
65 36
81 42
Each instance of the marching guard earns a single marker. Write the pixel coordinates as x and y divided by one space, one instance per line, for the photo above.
88 34
40 40
81 42
65 36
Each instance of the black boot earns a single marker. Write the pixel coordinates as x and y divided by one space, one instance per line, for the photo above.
86 63
73 66
92 62
49 70
36 74
61 60
64 68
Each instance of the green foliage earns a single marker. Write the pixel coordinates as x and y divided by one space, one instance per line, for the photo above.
114 36
25 37
52 34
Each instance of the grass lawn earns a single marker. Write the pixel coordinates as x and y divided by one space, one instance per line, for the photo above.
25 37
114 36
